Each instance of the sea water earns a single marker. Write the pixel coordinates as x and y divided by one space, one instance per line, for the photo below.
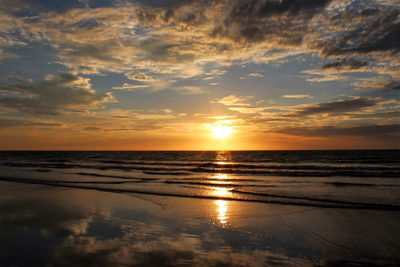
364 179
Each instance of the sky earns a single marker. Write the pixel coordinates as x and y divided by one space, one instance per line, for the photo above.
199 75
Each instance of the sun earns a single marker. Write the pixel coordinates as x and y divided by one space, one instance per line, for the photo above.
221 131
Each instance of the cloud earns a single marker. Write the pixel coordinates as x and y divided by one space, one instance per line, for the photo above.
379 83
374 131
128 86
258 75
232 100
247 110
216 72
165 38
390 115
177 38
357 108
4 122
317 76
284 22
338 107
374 30
345 64
8 24
93 128
139 76
297 96
189 90
54 95
341 68
395 85
93 58
180 35
129 120
238 104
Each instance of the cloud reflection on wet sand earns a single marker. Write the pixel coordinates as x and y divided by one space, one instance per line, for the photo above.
44 225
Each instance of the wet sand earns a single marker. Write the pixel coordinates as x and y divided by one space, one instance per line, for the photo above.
43 225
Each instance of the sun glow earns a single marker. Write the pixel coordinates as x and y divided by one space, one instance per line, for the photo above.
221 131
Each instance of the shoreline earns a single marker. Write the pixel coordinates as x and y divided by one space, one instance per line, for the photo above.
335 205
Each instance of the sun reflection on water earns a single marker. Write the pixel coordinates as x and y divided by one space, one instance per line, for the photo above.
221 158
221 176
222 208
222 205
221 192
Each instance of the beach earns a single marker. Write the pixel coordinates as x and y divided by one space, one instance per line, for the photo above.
46 221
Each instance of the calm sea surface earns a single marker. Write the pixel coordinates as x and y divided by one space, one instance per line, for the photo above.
340 179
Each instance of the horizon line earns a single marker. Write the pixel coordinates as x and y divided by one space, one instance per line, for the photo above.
188 150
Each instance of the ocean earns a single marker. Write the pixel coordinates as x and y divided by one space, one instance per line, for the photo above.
194 208
364 179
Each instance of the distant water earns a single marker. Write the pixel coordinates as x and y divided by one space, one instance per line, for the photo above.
365 179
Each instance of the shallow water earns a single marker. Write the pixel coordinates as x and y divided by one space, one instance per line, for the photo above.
45 225
340 179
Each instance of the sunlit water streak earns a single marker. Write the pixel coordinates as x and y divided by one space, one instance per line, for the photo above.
222 208
221 192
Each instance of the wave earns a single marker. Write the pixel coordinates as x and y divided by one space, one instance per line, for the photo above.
235 182
244 169
216 165
115 176
234 165
186 181
358 184
66 181
216 184
166 172
313 199
247 196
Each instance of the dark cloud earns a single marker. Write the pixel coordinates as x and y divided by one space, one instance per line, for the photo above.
252 10
394 85
53 96
187 12
391 84
377 33
337 107
346 64
32 7
248 21
16 123
391 130
384 115
93 128
99 52
283 22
